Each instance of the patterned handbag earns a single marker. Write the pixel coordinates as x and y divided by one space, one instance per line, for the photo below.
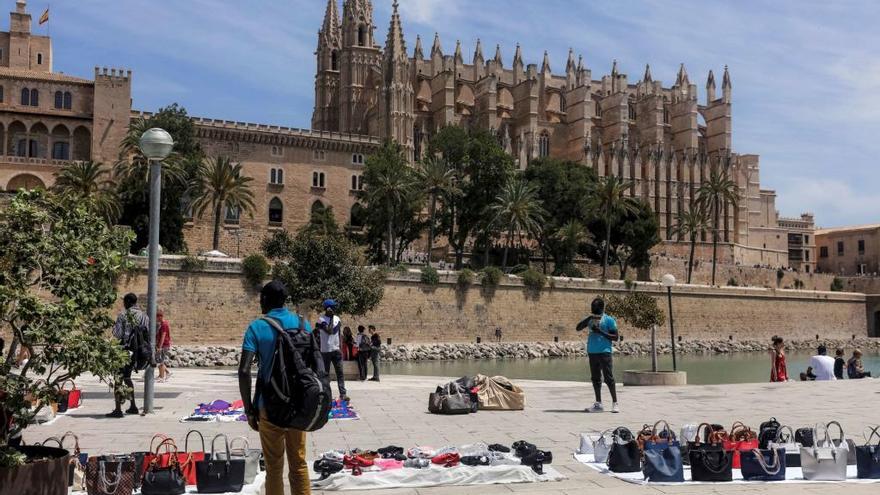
110 475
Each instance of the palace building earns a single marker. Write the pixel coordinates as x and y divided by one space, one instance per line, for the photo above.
662 138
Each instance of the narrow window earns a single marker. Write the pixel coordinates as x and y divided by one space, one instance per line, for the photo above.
544 145
362 35
68 100
21 148
314 179
321 177
665 115
276 211
840 248
233 215
35 98
272 176
280 176
1 94
33 148
334 60
25 96
360 182
354 182
823 252
39 59
59 99
861 246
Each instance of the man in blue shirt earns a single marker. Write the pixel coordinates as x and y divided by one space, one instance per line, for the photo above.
259 343
603 331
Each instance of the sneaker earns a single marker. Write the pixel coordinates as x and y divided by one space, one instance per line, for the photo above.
115 414
597 408
374 379
615 407
132 410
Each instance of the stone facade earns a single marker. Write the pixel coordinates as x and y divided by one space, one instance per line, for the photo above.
849 250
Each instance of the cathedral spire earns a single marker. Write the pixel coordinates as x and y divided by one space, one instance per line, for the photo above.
478 54
648 77
710 87
570 65
725 83
458 58
395 46
331 19
682 79
357 23
436 49
710 82
498 59
614 68
545 67
517 56
417 53
580 66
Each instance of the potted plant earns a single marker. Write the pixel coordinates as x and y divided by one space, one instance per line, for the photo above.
59 262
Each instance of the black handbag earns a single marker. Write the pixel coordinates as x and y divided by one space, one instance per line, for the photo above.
868 458
804 436
710 462
455 404
763 464
220 476
167 480
624 455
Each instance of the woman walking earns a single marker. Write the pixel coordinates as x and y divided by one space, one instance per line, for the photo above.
778 370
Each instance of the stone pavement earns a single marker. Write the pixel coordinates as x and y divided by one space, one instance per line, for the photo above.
395 412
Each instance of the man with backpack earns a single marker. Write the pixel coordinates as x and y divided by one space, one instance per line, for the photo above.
329 329
131 328
292 392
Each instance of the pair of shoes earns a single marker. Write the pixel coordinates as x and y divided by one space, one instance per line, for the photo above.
132 410
597 408
160 380
115 414
374 379
615 407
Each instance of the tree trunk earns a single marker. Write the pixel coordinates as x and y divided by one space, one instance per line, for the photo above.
506 248
715 242
607 245
691 257
390 238
216 242
431 227
654 348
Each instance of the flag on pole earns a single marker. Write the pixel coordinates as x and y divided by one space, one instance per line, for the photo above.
45 17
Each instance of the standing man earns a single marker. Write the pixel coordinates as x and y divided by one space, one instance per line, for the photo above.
329 328
129 321
362 342
259 342
497 334
375 351
603 331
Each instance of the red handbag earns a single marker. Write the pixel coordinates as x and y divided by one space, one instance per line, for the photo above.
189 459
740 439
74 395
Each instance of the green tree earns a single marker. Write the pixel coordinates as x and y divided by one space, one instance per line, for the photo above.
323 221
315 267
691 224
89 182
220 185
518 211
131 175
438 180
482 168
389 186
59 262
713 194
570 238
610 202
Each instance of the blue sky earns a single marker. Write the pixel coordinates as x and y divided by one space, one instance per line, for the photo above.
806 74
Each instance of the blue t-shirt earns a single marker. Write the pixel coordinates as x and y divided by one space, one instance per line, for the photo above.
260 337
598 343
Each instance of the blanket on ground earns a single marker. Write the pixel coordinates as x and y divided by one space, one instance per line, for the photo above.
222 411
436 476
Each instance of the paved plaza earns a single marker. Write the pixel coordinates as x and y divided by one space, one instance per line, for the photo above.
395 412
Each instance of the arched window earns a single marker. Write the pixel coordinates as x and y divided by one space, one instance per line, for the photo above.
362 35
317 208
360 182
35 98
186 207
276 211
334 60
272 177
68 100
280 174
21 147
632 111
358 215
544 145
315 179
60 150
233 215
1 93
665 115
25 96
39 59
59 99
321 179
354 182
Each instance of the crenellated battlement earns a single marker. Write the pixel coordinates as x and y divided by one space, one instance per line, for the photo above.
113 74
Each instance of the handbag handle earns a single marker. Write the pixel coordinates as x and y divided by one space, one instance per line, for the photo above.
704 458
107 484
225 440
670 435
827 437
739 432
772 469
697 440
53 439
779 438
840 428
160 436
622 435
247 444
874 431
186 440
65 382
76 450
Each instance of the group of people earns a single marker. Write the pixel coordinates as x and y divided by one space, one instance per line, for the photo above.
822 367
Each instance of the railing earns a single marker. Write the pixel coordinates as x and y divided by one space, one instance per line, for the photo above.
35 160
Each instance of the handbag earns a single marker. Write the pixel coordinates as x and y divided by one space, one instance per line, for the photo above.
741 438
787 443
763 465
110 475
868 458
663 457
687 434
823 461
601 446
767 432
455 404
586 445
76 476
846 443
804 436
624 455
74 395
709 461
219 476
251 458
189 459
143 459
167 480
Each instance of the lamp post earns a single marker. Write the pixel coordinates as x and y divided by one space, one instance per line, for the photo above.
668 281
156 145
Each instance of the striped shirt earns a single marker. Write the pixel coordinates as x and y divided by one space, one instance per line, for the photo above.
127 321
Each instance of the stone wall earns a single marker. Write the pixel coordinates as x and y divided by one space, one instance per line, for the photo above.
215 305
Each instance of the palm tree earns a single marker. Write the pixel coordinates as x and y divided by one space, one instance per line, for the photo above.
89 182
713 194
570 237
437 178
132 164
690 224
610 203
219 184
389 186
517 209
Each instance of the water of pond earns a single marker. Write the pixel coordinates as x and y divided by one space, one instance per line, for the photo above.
702 369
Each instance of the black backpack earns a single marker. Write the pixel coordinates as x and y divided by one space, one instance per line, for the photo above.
768 432
297 394
139 345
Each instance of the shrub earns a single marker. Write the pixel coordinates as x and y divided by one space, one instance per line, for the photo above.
430 276
192 263
465 278
255 269
492 276
517 269
837 285
732 282
533 279
570 270
628 282
798 284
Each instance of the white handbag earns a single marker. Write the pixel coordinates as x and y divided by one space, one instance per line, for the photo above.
602 446
787 442
586 445
845 443
688 433
824 461
251 458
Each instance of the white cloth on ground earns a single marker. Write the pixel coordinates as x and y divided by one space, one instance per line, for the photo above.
437 476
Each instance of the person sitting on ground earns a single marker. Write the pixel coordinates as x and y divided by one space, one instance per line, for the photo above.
854 367
375 351
821 366
364 346
603 331
778 369
839 363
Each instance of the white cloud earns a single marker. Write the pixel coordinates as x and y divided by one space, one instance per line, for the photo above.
426 11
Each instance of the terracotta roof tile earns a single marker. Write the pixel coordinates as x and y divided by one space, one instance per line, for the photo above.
42 76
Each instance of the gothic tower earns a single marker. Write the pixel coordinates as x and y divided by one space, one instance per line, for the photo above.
359 60
326 113
396 101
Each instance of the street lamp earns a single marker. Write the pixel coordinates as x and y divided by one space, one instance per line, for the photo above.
668 281
156 145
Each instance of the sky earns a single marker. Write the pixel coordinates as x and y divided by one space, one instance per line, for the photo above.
805 73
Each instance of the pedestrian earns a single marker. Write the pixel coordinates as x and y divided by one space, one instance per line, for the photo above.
259 343
375 351
347 344
498 334
603 331
362 341
821 366
854 367
129 321
839 364
778 369
163 346
329 327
